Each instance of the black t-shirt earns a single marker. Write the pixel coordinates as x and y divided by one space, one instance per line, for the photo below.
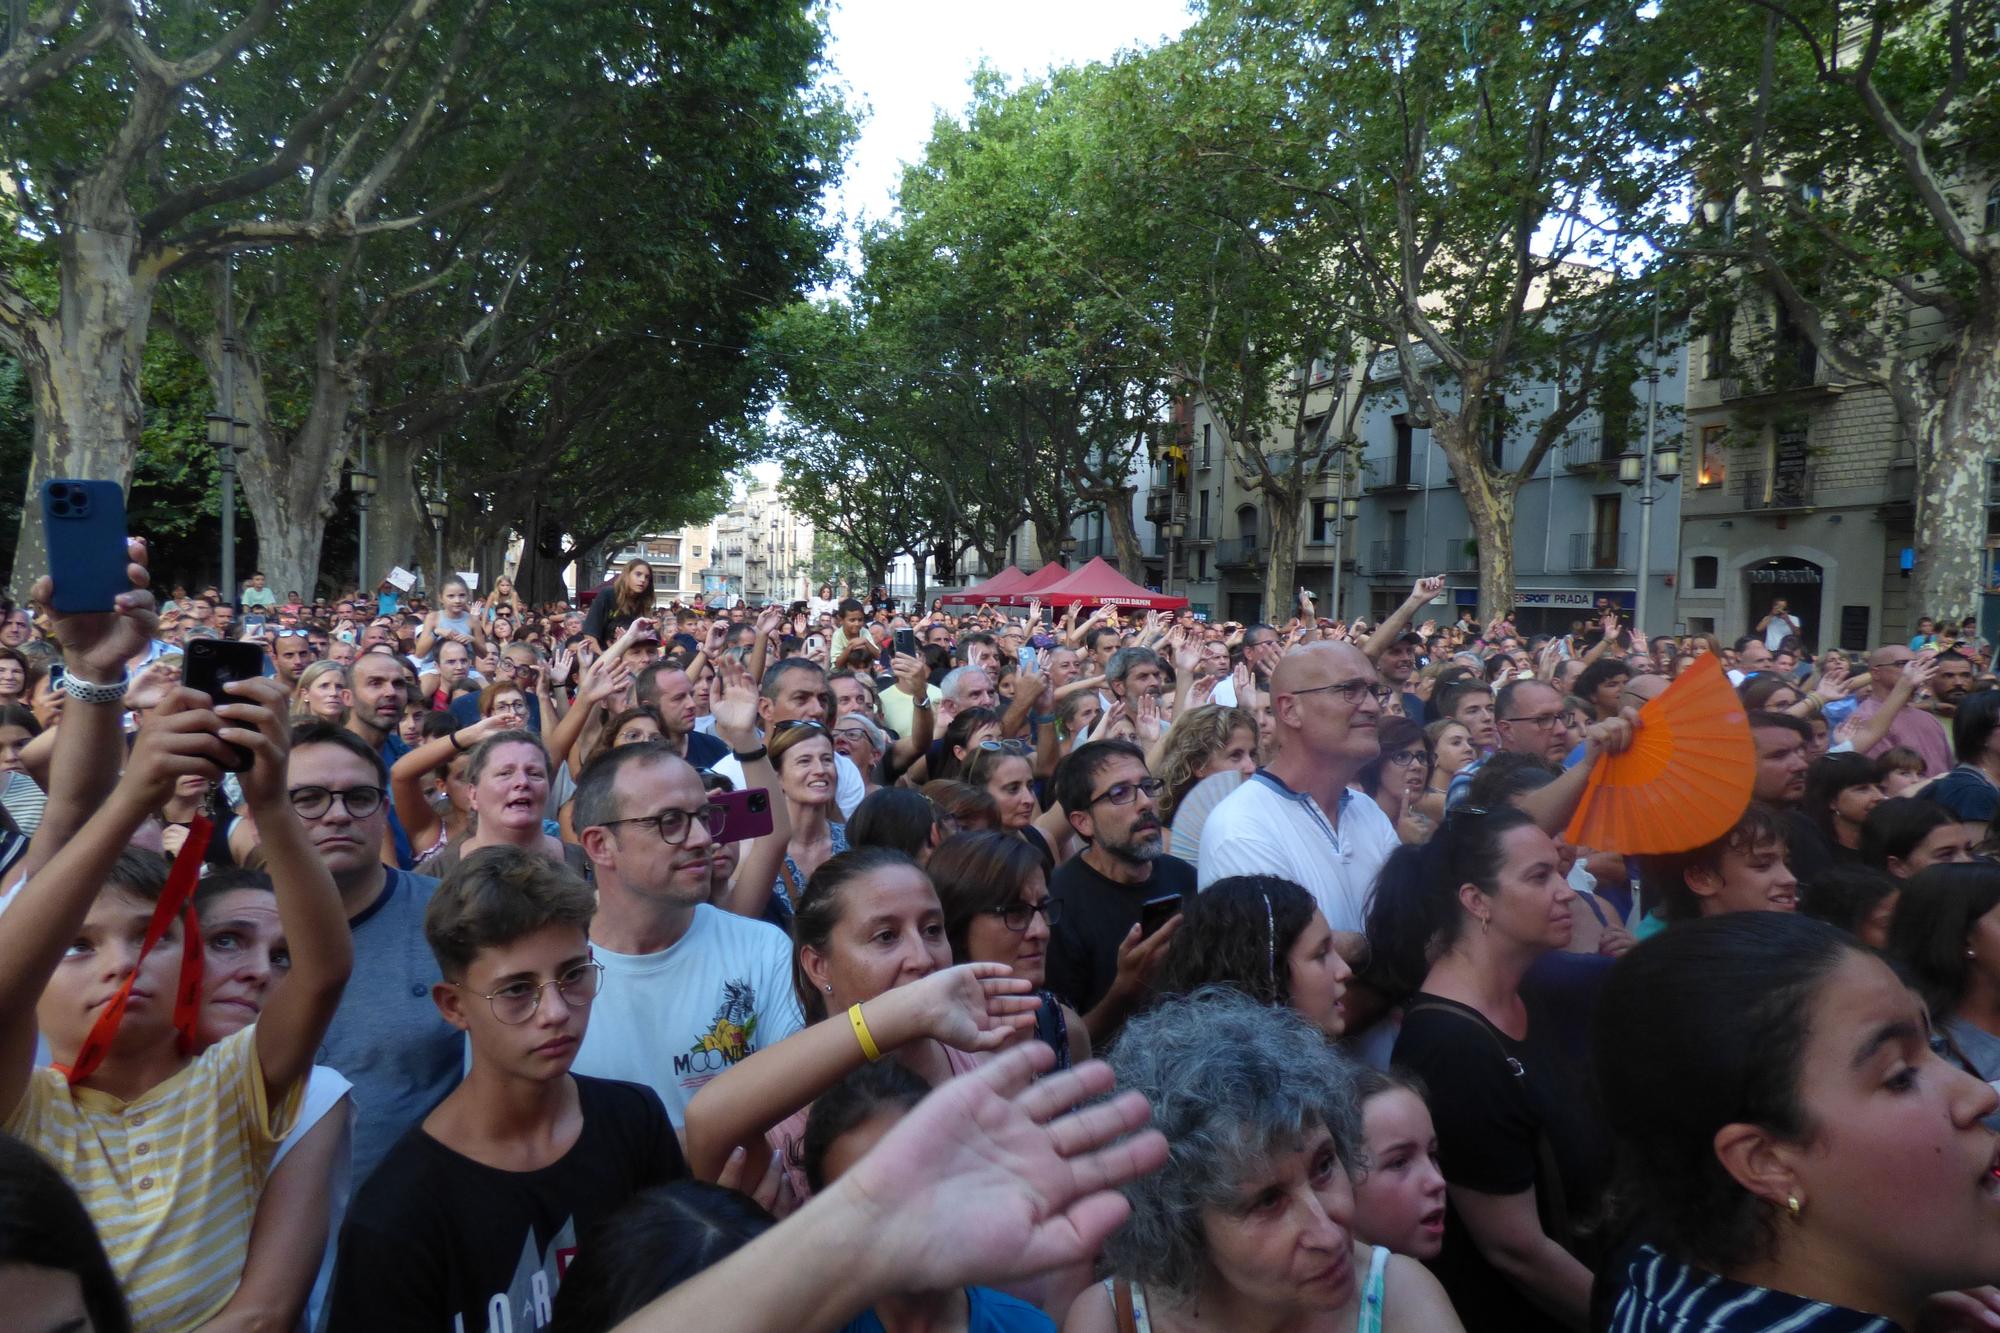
1097 913
1494 1100
435 1242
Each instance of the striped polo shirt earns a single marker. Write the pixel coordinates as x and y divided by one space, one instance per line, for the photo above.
172 1179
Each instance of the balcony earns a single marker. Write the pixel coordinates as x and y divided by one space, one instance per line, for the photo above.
1389 557
1089 550
1601 552
1456 555
1240 551
1165 504
1588 450
1793 373
1786 487
1398 481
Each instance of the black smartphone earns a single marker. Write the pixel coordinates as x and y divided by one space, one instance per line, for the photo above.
1156 912
212 663
749 814
906 642
84 522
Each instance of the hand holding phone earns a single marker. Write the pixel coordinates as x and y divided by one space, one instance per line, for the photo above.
747 814
213 663
84 525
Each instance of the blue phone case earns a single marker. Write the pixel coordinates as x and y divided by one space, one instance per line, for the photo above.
85 526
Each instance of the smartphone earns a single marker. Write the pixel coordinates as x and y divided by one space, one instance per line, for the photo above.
749 813
212 663
84 522
1156 912
906 642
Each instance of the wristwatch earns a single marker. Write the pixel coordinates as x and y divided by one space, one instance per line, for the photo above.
922 700
90 692
750 756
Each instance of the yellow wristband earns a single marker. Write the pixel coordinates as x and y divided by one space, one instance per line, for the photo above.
862 1035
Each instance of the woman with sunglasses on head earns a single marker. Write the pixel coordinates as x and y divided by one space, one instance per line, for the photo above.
1793 1153
803 756
1004 769
1454 925
997 909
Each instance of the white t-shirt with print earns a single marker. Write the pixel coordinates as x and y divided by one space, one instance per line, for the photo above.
673 1020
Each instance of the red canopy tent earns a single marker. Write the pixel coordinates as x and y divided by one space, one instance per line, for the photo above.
1099 584
999 585
1032 585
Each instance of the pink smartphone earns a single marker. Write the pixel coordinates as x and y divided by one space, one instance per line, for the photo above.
749 814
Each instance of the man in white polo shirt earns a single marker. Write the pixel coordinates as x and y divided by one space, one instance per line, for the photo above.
1296 817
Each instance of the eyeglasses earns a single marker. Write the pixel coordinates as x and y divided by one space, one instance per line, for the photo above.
1405 758
852 735
1350 691
1015 746
359 802
673 825
1123 793
1018 916
1538 720
517 1001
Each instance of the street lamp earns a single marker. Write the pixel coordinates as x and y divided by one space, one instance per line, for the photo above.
362 483
1642 469
222 439
1068 547
437 509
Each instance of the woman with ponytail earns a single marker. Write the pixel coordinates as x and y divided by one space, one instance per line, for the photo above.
1454 926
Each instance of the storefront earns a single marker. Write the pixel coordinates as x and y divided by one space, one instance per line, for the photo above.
1556 610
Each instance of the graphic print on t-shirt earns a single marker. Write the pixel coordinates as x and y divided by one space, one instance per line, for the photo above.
729 1038
529 1303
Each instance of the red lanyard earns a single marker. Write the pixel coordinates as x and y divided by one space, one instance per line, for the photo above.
176 900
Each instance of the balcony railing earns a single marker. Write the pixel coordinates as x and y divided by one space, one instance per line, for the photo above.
1588 449
1787 487
1389 557
1457 555
1240 551
1602 552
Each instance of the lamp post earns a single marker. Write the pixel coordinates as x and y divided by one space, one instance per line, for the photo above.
222 439
1663 463
362 483
1350 509
1171 529
1068 547
437 509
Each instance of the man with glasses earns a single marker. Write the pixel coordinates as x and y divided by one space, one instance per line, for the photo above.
691 989
485 1203
386 1038
1261 650
1297 817
1097 958
1527 720
1911 727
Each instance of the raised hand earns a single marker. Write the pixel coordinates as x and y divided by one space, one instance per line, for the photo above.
1186 650
973 1007
912 672
97 644
732 701
254 716
1427 589
1148 718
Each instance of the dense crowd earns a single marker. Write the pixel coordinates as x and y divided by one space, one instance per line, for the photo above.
842 965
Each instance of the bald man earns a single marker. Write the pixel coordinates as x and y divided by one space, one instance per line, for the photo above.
1297 817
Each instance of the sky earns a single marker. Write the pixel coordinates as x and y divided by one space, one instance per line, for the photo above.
900 62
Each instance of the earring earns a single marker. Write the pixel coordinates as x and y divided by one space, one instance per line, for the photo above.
829 988
1793 1205
1970 954
1485 924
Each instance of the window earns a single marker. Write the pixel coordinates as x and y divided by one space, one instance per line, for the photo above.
1707 572
1405 449
1496 436
1324 516
1201 565
697 552
1202 531
1713 468
1207 443
1722 319
1604 515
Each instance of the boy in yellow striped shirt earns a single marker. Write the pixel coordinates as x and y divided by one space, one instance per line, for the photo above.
168 1151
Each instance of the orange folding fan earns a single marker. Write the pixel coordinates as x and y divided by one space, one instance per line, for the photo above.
1685 781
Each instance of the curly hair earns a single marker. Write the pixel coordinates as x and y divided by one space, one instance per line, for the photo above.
1197 736
1232 1083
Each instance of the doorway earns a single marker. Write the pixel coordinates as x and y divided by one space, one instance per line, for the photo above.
1796 581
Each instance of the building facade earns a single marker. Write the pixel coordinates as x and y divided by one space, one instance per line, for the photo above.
1578 528
762 551
680 561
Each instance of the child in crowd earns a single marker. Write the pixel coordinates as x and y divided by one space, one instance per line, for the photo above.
168 1149
472 1219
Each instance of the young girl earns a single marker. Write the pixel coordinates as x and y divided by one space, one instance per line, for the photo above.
1399 1200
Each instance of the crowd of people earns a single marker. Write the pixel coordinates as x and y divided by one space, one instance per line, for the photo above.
493 966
